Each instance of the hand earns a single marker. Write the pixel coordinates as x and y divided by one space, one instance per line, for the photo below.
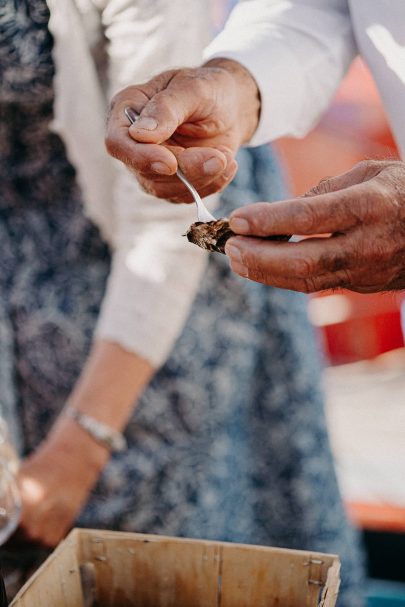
195 119
363 210
55 483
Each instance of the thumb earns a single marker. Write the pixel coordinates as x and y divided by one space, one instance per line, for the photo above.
165 112
363 171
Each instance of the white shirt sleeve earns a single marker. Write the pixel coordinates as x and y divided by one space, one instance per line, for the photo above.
155 272
297 50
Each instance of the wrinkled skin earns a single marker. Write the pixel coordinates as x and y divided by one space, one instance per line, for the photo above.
362 210
195 119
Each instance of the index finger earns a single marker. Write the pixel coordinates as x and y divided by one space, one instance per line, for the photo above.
140 157
321 214
119 143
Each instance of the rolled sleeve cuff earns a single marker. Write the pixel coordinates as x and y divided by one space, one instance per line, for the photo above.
297 52
281 99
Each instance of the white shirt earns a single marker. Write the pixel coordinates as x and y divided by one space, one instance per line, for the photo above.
299 50
155 272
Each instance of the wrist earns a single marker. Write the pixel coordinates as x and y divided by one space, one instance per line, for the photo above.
76 446
102 433
247 94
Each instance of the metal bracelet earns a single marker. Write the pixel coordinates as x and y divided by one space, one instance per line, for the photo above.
102 433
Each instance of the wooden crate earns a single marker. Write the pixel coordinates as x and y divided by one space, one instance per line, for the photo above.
112 569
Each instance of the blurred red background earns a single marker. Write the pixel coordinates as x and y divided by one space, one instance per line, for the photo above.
354 327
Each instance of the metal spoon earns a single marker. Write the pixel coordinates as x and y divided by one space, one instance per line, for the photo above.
203 213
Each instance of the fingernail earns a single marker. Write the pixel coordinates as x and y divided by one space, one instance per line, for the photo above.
146 123
212 166
238 225
161 168
234 254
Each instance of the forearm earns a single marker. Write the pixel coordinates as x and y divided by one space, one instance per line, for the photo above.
110 384
56 480
155 273
108 388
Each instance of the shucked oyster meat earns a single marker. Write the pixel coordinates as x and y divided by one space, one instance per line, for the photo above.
213 235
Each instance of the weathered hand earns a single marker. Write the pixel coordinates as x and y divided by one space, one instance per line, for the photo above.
363 210
195 119
55 483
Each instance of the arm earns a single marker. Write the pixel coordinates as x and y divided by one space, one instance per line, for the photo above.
155 274
57 478
297 51
290 54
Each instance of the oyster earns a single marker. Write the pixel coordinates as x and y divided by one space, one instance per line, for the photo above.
213 235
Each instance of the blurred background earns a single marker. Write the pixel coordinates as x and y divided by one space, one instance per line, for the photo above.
363 342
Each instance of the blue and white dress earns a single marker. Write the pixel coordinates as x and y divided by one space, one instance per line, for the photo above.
229 440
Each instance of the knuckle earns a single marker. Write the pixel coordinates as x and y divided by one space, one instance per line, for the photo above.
363 165
374 251
302 267
323 187
306 218
314 284
258 275
259 217
308 286
335 280
165 104
369 168
344 279
370 206
391 188
124 94
199 85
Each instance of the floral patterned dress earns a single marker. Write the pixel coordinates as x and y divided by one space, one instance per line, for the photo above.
229 439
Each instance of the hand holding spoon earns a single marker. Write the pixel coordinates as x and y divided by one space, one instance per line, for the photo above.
203 215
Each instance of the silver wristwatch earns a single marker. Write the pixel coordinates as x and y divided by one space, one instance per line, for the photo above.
102 433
